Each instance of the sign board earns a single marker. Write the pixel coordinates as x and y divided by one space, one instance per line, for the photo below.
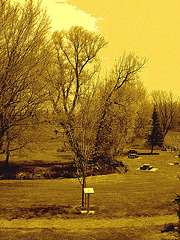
88 190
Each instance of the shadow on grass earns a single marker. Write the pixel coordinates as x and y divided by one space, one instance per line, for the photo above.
37 170
34 211
148 154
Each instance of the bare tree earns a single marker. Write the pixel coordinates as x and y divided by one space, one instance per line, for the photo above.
143 116
81 105
75 65
125 73
166 106
24 52
128 119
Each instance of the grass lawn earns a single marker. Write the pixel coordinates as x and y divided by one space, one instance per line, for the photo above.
135 205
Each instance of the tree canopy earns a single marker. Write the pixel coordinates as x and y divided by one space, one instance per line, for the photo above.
24 52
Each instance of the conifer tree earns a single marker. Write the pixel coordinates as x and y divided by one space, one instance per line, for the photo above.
156 137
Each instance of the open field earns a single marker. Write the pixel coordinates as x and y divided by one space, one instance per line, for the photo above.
135 205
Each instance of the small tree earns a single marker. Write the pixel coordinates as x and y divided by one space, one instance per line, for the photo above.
75 65
156 137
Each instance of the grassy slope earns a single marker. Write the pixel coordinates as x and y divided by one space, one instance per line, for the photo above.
134 205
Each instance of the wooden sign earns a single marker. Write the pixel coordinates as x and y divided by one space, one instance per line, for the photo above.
88 190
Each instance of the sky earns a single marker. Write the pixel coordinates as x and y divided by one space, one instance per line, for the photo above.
147 28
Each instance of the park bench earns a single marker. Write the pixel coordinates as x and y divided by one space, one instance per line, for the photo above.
176 163
133 156
132 151
146 167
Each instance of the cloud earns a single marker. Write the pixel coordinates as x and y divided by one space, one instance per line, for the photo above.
64 16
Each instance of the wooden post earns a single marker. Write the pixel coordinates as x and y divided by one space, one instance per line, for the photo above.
88 203
85 200
83 193
88 191
82 196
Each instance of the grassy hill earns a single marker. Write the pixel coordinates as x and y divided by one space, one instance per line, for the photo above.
141 199
133 205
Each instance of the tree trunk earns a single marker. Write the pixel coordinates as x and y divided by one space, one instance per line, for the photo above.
79 156
7 153
1 138
83 195
7 160
152 146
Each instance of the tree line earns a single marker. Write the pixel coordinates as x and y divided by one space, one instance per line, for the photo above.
59 74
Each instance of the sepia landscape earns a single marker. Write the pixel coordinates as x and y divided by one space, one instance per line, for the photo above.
87 150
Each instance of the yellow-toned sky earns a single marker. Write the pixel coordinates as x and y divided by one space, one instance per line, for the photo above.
149 28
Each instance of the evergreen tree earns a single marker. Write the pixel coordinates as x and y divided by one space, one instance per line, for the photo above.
156 137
